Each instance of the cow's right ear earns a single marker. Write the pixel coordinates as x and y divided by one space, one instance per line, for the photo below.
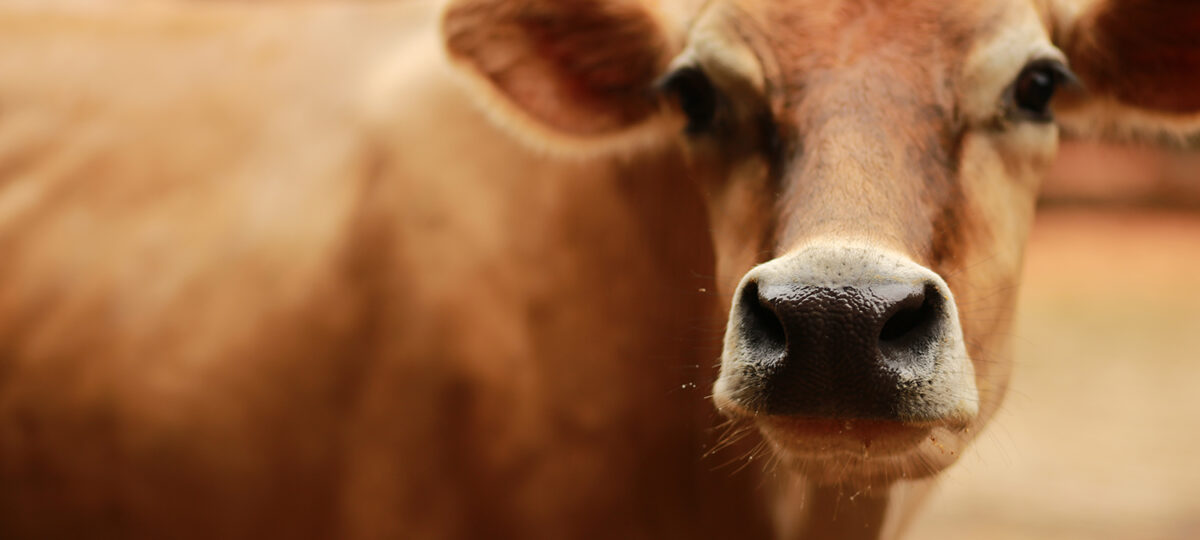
1139 61
581 68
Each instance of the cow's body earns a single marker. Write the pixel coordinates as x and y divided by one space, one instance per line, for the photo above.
286 272
249 290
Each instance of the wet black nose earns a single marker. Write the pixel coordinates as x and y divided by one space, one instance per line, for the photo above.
841 351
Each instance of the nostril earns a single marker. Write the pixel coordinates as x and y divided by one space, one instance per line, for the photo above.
761 327
916 315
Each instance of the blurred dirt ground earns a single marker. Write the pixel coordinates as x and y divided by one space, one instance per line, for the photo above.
1100 435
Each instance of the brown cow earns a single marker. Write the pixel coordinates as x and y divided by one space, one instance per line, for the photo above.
870 170
274 272
269 273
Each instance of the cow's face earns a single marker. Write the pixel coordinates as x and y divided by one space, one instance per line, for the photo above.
870 169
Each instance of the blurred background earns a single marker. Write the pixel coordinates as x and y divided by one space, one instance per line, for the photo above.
1100 435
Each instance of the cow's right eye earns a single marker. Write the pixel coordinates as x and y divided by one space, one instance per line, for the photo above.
1035 87
695 95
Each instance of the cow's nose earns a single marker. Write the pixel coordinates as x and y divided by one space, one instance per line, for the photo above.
841 350
839 330
884 320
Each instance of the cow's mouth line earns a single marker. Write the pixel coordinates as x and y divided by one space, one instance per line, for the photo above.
856 452
733 409
815 438
852 437
864 456
849 427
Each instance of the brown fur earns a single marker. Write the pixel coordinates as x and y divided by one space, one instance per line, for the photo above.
583 68
270 272
1142 53
867 140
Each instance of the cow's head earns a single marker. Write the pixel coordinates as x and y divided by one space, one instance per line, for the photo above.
870 168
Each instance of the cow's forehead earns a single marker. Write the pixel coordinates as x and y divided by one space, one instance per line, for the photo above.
918 47
839 29
872 96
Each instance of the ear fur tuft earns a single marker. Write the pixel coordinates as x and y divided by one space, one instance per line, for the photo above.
582 68
1139 52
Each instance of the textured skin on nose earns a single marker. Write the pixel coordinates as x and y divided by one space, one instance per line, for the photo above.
843 330
833 362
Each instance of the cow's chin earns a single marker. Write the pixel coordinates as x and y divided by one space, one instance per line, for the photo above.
857 453
861 453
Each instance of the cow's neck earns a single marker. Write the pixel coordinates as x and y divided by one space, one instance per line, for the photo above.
809 511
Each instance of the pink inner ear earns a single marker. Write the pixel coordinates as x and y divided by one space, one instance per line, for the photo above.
1146 54
584 67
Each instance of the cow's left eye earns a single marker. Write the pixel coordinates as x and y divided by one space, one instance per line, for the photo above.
696 96
1035 87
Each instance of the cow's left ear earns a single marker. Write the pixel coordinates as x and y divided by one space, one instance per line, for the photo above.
1139 61
581 68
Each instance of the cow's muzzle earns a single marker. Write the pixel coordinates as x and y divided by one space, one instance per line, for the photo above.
838 331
